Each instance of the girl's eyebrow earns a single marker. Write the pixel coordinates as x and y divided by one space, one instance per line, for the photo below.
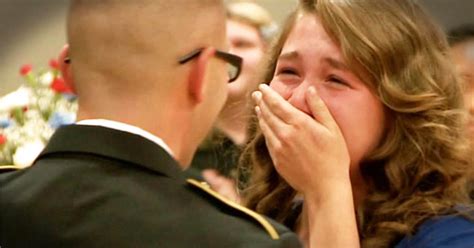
289 56
336 63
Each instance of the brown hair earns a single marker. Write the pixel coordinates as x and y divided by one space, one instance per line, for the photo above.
420 168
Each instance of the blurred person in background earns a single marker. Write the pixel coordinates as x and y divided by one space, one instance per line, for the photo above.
461 40
250 29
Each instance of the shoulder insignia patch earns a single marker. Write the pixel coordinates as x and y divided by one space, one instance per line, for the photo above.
257 217
4 168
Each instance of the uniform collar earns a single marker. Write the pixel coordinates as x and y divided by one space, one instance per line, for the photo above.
127 128
112 144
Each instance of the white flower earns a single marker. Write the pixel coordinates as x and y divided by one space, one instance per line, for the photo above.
18 98
46 78
30 115
26 154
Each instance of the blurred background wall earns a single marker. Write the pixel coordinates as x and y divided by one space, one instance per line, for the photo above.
33 31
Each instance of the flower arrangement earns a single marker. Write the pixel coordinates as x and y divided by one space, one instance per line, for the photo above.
31 114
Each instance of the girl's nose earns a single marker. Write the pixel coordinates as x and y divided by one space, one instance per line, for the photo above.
298 98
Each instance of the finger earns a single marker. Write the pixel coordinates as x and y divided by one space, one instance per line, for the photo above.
221 184
277 125
227 188
209 174
215 180
263 111
279 106
257 97
270 138
319 109
229 191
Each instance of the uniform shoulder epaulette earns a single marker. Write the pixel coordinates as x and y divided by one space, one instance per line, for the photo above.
257 217
6 168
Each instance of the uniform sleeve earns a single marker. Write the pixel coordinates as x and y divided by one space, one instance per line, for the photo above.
290 240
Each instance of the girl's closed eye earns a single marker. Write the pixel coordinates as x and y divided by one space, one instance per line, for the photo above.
338 82
287 71
288 75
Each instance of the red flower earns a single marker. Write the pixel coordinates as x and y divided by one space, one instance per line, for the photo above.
60 86
26 69
53 63
3 139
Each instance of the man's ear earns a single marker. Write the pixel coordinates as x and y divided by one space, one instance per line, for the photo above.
198 73
65 67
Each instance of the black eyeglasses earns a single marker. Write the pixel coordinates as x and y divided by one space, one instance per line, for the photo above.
234 61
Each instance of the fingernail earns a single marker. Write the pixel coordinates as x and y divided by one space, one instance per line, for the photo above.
258 111
262 86
257 95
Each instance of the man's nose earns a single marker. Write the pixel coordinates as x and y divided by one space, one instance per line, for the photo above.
298 98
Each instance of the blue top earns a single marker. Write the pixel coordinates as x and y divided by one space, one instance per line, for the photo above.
446 231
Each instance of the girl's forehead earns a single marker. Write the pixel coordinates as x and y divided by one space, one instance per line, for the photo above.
308 28
309 37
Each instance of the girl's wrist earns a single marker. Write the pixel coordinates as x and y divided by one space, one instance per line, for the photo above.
331 191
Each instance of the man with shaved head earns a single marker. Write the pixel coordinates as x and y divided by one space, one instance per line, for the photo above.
151 77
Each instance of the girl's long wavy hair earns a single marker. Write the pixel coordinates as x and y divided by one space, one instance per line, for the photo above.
420 168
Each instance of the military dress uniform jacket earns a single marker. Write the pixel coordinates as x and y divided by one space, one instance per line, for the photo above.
99 187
